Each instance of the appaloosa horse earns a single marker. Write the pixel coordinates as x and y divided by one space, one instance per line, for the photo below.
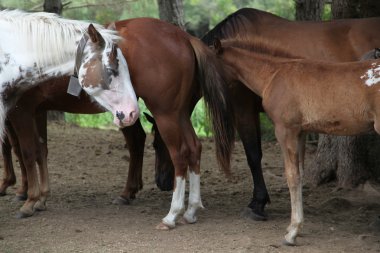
302 96
168 75
39 46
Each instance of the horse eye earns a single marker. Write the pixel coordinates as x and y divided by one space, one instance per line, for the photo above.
112 71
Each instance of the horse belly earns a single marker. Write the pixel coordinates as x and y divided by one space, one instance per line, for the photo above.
338 126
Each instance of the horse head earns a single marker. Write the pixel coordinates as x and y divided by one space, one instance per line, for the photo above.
103 74
164 168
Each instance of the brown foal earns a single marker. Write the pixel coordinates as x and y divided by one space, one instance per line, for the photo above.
306 96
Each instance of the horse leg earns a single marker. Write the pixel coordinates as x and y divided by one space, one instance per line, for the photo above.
289 141
195 201
301 151
248 127
21 192
135 138
9 177
26 138
41 157
171 132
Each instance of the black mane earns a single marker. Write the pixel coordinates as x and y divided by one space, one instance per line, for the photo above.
235 24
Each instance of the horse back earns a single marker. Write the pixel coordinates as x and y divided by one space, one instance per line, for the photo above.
332 98
336 40
162 59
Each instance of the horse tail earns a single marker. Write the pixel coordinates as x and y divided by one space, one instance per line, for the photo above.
210 75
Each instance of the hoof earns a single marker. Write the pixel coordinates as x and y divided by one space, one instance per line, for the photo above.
290 239
39 206
21 197
22 215
121 201
254 215
184 221
188 218
163 226
287 243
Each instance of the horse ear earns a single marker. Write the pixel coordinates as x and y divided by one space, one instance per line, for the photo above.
149 118
112 26
95 36
377 53
217 46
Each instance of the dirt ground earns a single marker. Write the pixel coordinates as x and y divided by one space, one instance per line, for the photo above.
88 170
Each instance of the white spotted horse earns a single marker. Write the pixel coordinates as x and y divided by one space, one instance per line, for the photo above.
41 46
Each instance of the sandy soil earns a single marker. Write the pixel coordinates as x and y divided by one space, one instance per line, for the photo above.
88 170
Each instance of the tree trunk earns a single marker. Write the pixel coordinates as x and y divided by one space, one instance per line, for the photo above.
172 11
355 8
54 6
350 160
309 9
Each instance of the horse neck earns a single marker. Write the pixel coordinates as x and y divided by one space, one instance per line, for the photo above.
254 70
38 46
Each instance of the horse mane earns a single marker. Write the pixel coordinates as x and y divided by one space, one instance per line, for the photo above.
236 24
45 39
260 45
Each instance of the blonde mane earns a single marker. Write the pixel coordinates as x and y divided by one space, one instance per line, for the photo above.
41 38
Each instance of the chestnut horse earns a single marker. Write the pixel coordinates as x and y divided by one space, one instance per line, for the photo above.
168 76
39 46
303 96
334 41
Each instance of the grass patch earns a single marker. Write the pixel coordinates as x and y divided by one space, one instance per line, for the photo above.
199 120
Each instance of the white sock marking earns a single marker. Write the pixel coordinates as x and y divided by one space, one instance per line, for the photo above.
178 202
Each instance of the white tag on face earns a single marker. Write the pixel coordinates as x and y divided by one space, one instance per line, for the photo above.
74 87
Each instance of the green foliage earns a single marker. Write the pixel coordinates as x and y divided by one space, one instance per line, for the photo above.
112 10
104 120
202 11
327 12
19 4
267 129
200 120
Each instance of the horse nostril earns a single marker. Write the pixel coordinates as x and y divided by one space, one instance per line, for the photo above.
120 115
132 114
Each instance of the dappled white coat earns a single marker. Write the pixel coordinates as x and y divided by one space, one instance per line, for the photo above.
35 47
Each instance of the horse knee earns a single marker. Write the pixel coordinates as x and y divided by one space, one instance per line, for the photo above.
195 154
